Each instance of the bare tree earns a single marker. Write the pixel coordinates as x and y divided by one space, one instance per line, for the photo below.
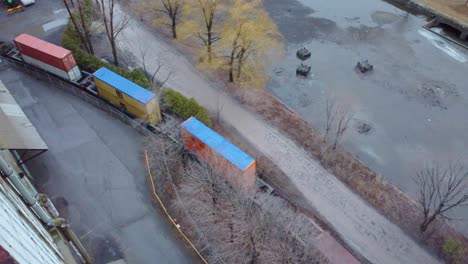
171 10
246 227
113 25
233 226
166 157
336 115
330 113
205 16
344 116
76 25
440 190
154 75
86 15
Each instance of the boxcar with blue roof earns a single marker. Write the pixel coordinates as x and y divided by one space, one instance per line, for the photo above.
127 95
227 159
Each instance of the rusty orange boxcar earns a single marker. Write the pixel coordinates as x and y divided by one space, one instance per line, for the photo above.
227 159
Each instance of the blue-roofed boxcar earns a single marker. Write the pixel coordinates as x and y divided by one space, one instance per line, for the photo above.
128 95
222 155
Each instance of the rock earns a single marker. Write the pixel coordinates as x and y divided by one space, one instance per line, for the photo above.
303 70
303 54
363 127
364 66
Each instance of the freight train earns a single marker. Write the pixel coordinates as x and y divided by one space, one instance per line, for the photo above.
124 94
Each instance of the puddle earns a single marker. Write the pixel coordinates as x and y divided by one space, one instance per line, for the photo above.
106 250
383 18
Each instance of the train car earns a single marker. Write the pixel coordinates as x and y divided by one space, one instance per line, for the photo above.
48 56
128 95
227 159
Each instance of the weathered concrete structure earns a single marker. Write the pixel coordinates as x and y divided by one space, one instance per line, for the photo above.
450 22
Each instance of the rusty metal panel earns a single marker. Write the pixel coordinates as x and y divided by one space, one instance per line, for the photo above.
218 143
238 174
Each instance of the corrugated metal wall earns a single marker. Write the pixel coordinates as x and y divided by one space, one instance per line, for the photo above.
243 179
46 52
73 75
21 233
149 111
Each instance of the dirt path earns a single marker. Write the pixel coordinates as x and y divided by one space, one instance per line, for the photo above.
455 9
360 225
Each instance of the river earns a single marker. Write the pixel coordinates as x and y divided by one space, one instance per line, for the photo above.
415 100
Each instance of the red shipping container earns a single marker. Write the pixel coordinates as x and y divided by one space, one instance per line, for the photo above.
46 52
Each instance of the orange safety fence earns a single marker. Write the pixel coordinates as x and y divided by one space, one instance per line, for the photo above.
155 195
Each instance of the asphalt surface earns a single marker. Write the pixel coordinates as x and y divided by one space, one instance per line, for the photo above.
95 174
415 100
44 19
94 170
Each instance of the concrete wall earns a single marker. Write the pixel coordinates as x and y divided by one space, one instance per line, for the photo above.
241 179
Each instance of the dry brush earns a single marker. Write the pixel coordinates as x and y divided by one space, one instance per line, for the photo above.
236 226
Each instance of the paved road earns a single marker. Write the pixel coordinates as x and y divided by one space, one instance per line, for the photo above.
94 172
45 18
361 226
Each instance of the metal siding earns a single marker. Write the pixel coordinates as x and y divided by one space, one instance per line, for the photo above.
74 74
146 112
46 52
154 112
242 179
218 143
124 85
109 92
69 61
250 175
22 234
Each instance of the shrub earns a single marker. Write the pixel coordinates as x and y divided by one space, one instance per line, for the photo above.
454 250
91 63
184 106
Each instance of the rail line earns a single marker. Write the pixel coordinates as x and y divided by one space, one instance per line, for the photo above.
9 52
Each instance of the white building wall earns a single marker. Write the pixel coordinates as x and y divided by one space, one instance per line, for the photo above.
22 234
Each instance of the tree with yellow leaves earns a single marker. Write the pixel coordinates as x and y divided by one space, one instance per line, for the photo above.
167 12
238 36
204 18
248 38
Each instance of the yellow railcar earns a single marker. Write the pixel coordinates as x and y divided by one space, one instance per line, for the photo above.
128 95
